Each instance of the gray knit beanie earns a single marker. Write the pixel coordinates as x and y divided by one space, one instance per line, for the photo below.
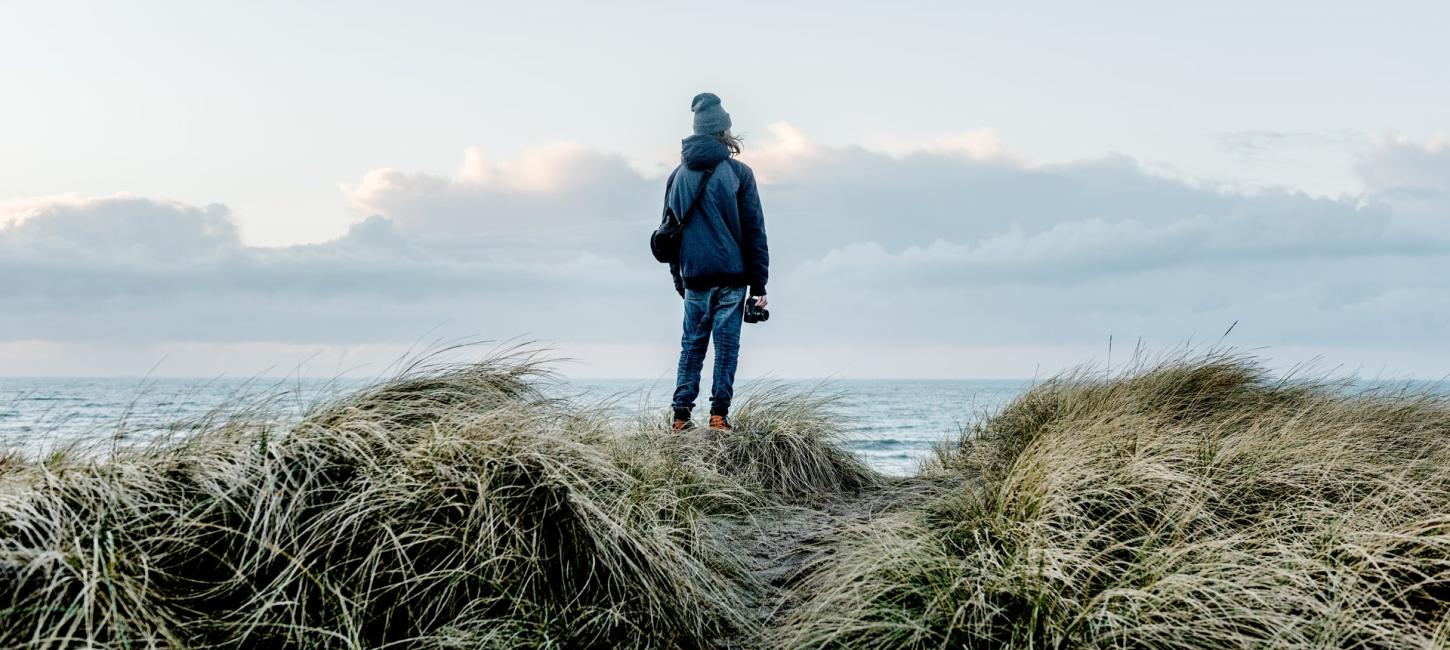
709 117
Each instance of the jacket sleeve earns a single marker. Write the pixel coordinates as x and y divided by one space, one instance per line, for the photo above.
674 266
752 234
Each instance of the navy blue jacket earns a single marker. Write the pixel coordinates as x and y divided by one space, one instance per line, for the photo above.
724 242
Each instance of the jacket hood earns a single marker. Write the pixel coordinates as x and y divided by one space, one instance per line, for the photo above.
702 151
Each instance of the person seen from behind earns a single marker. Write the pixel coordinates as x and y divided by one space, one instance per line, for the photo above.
723 254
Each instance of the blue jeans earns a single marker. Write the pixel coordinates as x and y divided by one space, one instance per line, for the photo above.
718 311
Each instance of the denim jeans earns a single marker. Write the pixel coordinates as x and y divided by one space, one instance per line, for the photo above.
717 311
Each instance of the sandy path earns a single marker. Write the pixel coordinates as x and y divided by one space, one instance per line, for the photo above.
784 543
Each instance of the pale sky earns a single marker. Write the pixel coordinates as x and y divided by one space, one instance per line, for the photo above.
952 189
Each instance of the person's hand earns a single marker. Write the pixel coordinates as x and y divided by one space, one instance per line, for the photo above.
761 302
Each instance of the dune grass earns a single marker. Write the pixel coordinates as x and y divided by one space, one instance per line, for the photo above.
449 507
1191 503
781 446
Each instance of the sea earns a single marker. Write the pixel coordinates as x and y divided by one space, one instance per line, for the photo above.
892 425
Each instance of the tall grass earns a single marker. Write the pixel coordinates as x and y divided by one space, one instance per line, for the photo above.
783 446
1193 503
453 506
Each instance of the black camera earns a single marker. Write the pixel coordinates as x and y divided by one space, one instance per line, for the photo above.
754 314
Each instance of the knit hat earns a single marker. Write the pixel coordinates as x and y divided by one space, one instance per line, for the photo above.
709 117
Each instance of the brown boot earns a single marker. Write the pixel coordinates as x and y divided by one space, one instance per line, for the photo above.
719 423
681 421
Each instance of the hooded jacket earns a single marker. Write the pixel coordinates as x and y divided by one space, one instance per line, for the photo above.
723 244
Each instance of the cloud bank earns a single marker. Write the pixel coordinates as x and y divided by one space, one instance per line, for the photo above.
951 243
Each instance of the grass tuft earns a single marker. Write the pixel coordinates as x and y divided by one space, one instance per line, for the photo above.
453 506
784 445
1192 503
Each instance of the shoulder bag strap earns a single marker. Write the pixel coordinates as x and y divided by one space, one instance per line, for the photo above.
699 194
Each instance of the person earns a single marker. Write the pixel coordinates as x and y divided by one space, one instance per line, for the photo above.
723 253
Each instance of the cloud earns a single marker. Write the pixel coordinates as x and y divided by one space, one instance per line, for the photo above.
127 269
1073 251
1412 178
136 230
1397 164
1252 144
555 200
1000 220
954 242
976 144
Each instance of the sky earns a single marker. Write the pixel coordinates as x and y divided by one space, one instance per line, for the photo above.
951 189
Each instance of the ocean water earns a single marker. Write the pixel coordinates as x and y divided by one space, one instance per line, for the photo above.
890 424
39 414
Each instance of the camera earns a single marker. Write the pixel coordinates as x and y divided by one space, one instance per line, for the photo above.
754 314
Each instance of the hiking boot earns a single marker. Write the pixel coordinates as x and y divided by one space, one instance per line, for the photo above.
719 423
681 421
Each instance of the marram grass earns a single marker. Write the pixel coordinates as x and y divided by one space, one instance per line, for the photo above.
452 506
1194 503
1191 503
